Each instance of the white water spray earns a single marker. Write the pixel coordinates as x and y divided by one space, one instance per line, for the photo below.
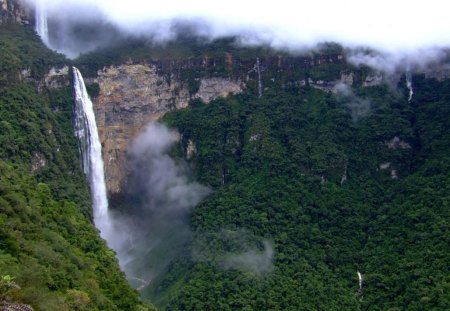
361 279
41 27
91 151
409 85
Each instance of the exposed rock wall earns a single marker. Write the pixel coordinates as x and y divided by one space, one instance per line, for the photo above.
14 12
56 78
6 306
132 95
216 87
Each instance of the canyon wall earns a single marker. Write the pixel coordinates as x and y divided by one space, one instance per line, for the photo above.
14 12
132 95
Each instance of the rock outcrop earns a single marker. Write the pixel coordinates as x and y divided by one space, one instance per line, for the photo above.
397 143
5 306
216 87
38 161
13 12
132 95
56 78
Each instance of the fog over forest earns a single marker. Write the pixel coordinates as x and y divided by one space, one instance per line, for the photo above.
406 32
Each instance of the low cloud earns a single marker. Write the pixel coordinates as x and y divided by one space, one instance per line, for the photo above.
253 260
236 249
391 63
358 107
397 28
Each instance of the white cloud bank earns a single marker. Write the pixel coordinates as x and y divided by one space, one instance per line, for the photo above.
387 25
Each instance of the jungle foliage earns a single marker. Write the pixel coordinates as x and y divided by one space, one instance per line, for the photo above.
332 194
309 189
51 256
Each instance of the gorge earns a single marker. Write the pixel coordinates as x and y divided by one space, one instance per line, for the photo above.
239 176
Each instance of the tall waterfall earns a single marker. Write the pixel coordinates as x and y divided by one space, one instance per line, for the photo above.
86 131
41 27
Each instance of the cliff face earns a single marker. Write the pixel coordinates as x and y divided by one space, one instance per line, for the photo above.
13 12
132 95
212 88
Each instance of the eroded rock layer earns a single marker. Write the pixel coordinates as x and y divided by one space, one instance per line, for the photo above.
132 95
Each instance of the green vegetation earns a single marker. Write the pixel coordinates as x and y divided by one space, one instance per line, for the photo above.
51 256
53 251
305 195
37 127
184 47
22 50
277 165
187 54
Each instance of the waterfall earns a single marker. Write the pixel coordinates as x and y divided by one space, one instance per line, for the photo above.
409 85
91 151
41 27
344 176
361 280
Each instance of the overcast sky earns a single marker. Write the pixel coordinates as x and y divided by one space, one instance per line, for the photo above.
394 26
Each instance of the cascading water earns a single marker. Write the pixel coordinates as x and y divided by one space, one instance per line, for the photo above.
41 21
257 68
91 151
409 85
361 280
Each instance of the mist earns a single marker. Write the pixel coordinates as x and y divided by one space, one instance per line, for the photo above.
235 249
403 31
151 228
253 260
358 107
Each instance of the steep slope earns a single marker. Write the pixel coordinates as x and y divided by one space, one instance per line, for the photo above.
323 172
154 80
130 96
307 196
330 187
48 244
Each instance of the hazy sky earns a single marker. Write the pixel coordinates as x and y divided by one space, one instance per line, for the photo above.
389 25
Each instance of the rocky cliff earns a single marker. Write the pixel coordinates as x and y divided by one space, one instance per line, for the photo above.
132 95
13 12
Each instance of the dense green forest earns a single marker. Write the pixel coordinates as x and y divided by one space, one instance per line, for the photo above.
310 188
306 195
51 256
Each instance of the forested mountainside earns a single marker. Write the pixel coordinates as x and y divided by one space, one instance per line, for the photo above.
330 182
51 256
306 197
